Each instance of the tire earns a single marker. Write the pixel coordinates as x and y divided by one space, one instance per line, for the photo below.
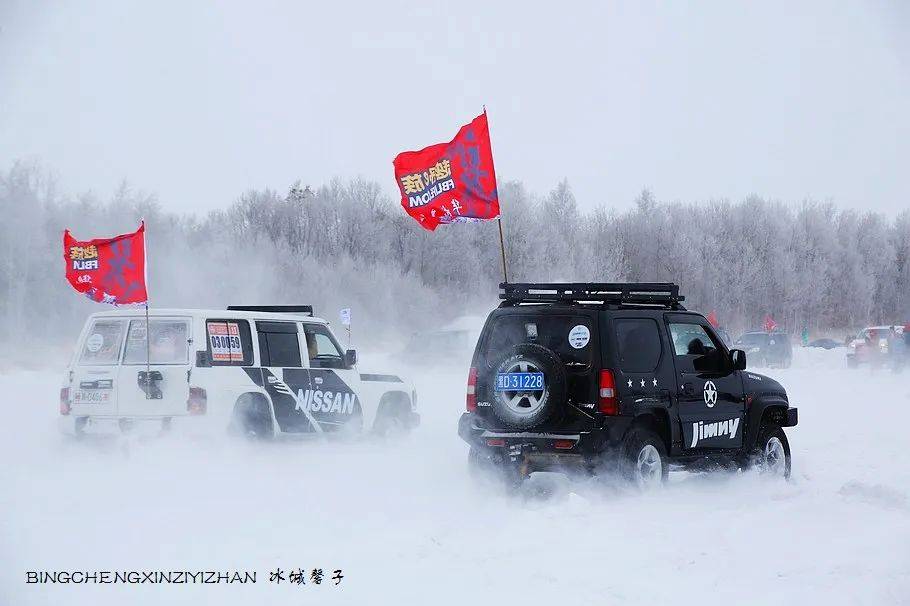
526 409
644 459
484 469
252 418
771 455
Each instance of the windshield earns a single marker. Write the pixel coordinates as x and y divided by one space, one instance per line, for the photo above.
568 336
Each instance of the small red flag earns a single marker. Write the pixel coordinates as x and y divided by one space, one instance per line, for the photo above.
712 319
770 324
108 270
450 182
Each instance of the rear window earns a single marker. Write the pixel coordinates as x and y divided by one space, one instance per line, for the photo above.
639 344
102 345
754 339
569 336
168 343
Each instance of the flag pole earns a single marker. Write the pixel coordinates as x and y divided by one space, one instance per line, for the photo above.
502 248
148 325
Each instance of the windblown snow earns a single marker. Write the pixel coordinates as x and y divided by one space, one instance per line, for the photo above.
406 525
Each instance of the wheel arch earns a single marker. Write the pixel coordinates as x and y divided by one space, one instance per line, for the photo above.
249 401
658 421
767 410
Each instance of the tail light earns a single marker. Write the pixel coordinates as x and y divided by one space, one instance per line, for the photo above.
64 400
496 442
471 397
197 402
607 404
564 444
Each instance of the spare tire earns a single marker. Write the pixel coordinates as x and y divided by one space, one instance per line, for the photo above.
526 408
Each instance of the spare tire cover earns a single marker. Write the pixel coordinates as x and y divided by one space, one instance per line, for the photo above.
524 409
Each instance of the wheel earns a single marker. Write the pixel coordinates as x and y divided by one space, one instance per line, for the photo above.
771 455
526 408
484 469
644 459
252 418
390 426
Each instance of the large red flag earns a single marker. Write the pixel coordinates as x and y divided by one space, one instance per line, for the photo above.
108 270
450 182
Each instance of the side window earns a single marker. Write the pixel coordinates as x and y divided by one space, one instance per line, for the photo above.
639 344
278 344
695 350
322 349
168 343
102 345
229 342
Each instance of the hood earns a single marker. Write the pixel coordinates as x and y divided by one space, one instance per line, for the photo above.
758 385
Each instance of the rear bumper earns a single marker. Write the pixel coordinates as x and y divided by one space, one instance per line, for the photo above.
81 425
586 445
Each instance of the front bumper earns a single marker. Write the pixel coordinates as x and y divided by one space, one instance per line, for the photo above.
792 417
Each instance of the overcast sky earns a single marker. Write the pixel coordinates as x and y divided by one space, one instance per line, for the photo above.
200 101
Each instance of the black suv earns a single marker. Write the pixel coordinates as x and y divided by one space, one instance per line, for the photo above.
615 377
767 348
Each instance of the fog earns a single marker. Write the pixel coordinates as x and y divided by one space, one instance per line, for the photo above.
717 100
753 154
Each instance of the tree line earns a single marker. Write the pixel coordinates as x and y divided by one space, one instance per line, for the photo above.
347 244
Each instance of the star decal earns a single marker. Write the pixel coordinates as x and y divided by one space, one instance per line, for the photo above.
630 383
642 382
654 381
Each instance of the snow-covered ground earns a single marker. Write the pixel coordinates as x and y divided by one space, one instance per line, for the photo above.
406 525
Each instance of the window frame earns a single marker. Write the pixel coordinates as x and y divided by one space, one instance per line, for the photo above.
685 363
315 362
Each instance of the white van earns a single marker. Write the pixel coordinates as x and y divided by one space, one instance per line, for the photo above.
258 371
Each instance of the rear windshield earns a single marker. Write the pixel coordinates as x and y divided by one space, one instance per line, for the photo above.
168 343
569 336
102 345
754 338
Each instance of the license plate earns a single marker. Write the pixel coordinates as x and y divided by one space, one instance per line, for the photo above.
91 396
519 381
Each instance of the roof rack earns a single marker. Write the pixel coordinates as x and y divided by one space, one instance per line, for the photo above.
306 310
657 294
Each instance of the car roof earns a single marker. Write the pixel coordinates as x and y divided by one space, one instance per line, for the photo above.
135 312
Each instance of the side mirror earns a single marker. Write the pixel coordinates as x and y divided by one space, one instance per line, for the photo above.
738 359
350 358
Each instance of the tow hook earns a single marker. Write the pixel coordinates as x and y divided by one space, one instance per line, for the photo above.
517 455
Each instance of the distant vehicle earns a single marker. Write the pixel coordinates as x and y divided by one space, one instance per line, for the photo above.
766 349
824 343
453 341
258 372
872 345
615 377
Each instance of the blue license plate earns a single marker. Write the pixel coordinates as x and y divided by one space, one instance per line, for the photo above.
519 381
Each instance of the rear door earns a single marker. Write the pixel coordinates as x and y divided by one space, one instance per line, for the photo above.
710 393
95 373
168 344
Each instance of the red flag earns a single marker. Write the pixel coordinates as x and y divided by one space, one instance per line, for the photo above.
770 324
108 270
450 182
712 319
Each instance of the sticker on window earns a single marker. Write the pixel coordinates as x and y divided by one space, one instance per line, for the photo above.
94 342
224 338
579 336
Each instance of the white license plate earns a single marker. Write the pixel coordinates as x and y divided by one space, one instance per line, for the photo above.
91 396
